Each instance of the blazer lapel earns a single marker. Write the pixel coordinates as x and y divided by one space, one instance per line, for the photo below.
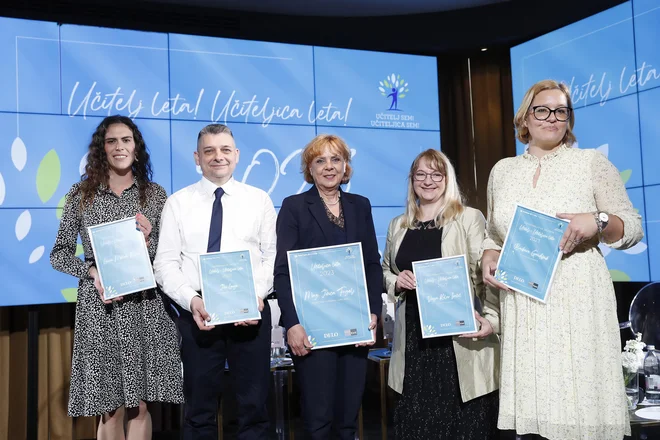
317 210
397 238
452 240
350 217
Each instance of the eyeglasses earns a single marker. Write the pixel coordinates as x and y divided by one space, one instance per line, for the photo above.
436 176
541 113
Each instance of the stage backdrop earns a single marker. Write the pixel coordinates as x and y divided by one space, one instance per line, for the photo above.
611 61
59 81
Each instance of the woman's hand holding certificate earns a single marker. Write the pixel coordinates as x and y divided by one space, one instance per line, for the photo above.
531 251
485 329
444 297
581 228
330 296
405 281
122 263
143 225
298 340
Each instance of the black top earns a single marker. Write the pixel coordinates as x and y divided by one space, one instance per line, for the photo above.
417 245
337 225
338 235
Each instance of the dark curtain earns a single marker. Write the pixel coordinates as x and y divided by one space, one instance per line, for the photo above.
476 115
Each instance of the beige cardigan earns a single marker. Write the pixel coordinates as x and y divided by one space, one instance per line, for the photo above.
478 361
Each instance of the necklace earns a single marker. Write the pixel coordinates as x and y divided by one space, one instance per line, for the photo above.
329 203
427 224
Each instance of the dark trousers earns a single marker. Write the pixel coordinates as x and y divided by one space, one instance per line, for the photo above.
332 383
247 350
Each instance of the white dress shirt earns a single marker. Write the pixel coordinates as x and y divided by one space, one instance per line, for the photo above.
248 223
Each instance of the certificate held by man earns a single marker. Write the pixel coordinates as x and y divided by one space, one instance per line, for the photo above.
530 255
121 258
228 287
444 297
330 294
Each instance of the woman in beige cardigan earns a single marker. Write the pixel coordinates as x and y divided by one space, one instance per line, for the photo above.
447 384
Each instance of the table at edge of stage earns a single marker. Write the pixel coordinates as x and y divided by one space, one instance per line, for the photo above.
382 357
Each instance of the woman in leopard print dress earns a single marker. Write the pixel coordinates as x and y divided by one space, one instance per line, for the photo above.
125 351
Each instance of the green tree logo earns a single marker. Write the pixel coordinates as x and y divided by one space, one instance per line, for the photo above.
395 87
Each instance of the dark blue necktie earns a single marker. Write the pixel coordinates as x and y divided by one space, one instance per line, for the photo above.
215 231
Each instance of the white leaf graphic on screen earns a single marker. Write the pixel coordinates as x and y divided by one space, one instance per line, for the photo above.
18 154
381 89
83 164
604 249
2 189
605 149
23 225
393 78
36 254
637 249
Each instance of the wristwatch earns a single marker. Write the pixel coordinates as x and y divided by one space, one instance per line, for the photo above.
602 220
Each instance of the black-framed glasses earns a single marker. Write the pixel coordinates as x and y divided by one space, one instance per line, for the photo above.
541 113
436 176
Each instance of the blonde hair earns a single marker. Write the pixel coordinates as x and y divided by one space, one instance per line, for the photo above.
452 204
315 148
522 132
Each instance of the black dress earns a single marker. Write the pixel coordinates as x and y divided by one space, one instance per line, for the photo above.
430 406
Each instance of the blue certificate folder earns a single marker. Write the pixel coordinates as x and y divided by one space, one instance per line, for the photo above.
122 258
228 287
330 294
444 297
530 254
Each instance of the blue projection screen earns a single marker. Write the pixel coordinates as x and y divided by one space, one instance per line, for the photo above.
58 82
611 62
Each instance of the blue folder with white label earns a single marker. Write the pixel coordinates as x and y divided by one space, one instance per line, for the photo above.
228 287
330 294
444 297
530 255
121 258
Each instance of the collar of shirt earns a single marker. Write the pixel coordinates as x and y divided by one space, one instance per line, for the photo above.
208 187
527 155
104 188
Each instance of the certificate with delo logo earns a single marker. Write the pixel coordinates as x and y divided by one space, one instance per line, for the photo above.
121 257
530 255
228 287
444 297
330 294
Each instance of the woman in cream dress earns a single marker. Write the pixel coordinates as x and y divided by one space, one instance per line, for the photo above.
561 369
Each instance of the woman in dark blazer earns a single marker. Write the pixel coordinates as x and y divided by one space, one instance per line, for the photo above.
332 379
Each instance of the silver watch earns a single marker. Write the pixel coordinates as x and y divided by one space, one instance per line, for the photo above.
602 220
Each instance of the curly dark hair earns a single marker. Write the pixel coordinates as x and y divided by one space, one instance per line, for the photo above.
96 170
